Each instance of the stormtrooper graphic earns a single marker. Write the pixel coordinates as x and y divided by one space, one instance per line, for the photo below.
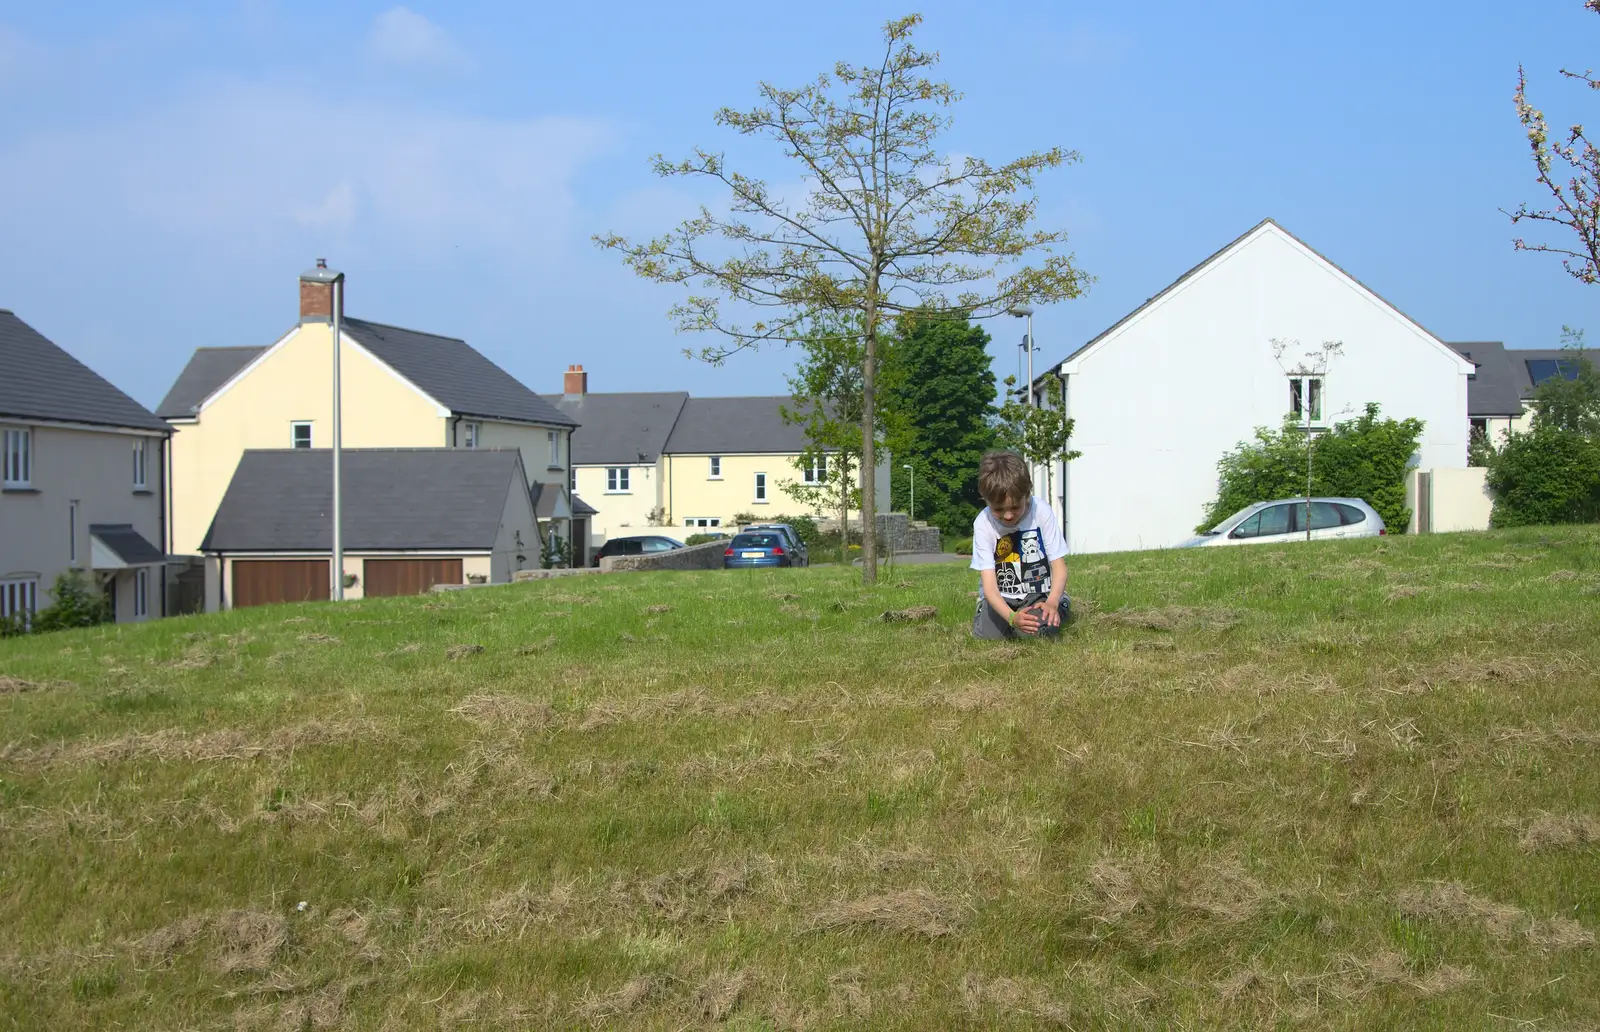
1020 568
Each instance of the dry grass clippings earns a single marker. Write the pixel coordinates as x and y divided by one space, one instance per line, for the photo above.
658 609
1015 997
1450 901
1173 618
719 995
240 940
628 998
174 745
318 638
512 712
1559 831
908 912
455 652
536 647
911 615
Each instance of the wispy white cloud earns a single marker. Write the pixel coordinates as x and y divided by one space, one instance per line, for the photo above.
240 164
402 38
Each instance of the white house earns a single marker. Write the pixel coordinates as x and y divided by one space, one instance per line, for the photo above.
1161 395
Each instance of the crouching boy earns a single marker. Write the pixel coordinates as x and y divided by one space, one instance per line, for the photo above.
1019 553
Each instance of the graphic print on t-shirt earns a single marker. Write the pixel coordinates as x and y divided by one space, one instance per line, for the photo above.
1020 568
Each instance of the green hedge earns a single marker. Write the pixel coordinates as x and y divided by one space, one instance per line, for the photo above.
1549 475
1364 458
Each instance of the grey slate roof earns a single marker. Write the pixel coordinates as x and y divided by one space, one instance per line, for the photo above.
38 380
208 369
394 498
454 374
1207 261
130 545
1519 358
620 428
735 426
1492 390
582 508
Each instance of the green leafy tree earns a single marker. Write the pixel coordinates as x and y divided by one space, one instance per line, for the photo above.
1364 458
885 223
938 400
1564 403
1551 474
827 401
1041 435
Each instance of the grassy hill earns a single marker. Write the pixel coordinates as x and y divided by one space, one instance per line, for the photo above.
1350 785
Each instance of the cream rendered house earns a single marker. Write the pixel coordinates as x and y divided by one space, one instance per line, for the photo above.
400 388
665 463
81 478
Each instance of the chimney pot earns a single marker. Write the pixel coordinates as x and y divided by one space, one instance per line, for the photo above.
576 382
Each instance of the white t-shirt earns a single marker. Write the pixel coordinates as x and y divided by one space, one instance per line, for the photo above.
1020 555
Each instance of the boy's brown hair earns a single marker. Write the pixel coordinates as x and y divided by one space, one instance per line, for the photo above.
1003 476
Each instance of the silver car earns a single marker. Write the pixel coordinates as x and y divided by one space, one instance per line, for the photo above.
1285 520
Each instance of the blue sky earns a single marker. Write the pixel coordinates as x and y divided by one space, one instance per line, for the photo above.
168 169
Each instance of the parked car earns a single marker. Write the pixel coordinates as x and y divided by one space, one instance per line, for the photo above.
750 548
1284 520
642 544
795 547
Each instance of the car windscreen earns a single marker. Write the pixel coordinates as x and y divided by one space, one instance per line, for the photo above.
1219 528
757 541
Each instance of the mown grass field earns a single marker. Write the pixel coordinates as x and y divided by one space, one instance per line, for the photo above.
1350 785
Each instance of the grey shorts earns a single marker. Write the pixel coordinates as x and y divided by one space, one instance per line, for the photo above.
989 624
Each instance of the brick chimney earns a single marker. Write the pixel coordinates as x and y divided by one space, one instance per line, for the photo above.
316 293
576 383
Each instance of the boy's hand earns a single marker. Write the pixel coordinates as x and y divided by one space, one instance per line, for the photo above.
1052 615
1029 620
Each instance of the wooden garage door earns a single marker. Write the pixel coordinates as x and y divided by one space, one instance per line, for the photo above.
409 576
260 582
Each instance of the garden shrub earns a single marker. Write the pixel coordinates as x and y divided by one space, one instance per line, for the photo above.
1364 458
1548 475
77 603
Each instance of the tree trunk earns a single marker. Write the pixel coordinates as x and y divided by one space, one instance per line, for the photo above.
869 458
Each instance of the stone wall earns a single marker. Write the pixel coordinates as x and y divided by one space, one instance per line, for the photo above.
696 557
900 533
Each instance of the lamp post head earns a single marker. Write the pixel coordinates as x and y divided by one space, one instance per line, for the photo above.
1020 311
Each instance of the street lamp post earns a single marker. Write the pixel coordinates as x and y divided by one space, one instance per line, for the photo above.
334 281
1024 312
905 465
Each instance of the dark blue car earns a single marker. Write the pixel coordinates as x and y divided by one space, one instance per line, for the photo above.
757 548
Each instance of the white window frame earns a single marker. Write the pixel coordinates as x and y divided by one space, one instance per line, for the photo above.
17 457
1308 389
555 449
294 434
703 521
760 488
20 595
619 480
714 468
72 532
141 593
471 431
140 467
815 471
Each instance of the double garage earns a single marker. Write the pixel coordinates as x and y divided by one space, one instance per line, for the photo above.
259 582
